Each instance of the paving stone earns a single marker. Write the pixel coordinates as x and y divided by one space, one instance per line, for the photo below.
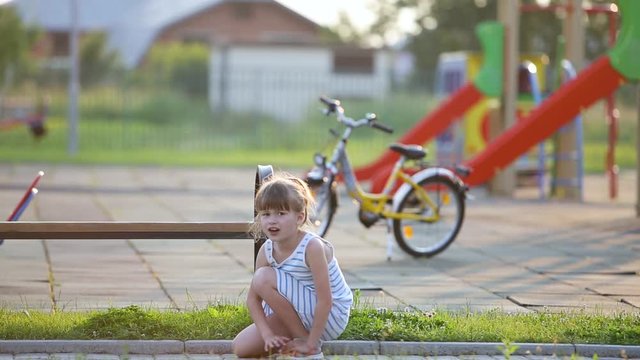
208 347
31 356
495 256
592 302
136 357
71 356
101 357
171 357
204 356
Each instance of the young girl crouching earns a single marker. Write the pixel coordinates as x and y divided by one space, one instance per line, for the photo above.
298 296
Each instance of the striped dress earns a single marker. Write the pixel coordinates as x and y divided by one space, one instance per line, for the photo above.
295 283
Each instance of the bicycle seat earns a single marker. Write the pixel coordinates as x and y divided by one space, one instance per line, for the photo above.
413 152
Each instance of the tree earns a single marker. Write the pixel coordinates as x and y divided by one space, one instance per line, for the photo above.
15 42
347 31
447 25
96 61
183 66
442 25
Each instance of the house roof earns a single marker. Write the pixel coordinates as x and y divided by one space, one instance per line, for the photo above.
132 25
133 33
55 15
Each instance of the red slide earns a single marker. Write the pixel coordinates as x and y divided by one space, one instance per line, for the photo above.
430 126
597 81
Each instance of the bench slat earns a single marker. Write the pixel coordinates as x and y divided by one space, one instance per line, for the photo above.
123 230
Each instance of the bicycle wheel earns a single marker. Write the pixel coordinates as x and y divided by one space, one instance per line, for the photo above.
441 222
326 202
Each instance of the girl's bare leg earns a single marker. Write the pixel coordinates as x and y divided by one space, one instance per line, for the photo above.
249 344
284 321
264 284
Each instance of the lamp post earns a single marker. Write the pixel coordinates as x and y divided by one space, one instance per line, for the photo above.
638 155
73 80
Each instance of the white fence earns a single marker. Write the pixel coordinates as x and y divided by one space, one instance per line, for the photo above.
284 81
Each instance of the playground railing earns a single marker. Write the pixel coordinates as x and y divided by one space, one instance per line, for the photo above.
19 111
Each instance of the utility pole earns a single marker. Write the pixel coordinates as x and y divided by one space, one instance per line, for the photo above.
638 155
74 82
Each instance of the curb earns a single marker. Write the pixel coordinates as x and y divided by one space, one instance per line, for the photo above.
336 347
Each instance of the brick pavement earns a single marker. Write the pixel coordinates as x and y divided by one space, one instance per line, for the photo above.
513 254
520 254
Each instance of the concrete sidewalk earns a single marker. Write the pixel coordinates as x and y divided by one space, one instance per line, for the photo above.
516 255
221 349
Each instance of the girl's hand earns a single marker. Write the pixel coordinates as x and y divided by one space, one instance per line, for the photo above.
275 342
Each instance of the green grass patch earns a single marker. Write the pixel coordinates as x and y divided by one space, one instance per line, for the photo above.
138 127
222 322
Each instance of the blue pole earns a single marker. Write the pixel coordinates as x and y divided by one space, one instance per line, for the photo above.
537 99
569 74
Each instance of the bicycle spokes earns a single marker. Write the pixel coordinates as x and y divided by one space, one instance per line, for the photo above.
429 217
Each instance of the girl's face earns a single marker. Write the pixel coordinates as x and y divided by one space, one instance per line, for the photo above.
281 225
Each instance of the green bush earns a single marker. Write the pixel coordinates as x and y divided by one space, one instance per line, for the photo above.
178 66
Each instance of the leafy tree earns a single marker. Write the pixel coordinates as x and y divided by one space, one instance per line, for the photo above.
447 25
386 21
183 66
15 42
97 62
347 31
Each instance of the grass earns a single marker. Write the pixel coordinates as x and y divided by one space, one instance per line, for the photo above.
140 128
221 321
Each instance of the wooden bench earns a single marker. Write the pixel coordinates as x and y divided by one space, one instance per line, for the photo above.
86 230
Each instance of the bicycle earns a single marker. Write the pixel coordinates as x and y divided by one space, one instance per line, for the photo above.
425 212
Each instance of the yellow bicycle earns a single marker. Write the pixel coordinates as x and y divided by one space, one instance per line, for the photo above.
425 212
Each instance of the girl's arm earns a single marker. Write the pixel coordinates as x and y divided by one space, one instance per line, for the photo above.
254 303
318 263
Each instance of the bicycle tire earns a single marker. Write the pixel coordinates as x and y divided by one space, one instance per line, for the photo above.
426 239
325 204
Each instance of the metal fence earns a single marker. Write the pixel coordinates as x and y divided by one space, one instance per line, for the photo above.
124 116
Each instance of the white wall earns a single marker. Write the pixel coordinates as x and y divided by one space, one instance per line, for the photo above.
285 81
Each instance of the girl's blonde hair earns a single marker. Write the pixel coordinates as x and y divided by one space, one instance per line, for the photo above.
282 192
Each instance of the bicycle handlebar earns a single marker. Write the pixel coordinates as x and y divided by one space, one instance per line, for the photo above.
334 106
382 127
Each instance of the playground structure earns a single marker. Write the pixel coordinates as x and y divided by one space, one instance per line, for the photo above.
469 135
567 73
611 113
598 81
18 112
487 83
22 205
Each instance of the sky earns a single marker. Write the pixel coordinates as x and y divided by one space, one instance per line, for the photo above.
326 12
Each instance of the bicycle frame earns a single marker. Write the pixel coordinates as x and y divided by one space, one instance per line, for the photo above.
410 202
377 203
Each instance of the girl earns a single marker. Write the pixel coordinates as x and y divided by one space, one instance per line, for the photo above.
298 296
